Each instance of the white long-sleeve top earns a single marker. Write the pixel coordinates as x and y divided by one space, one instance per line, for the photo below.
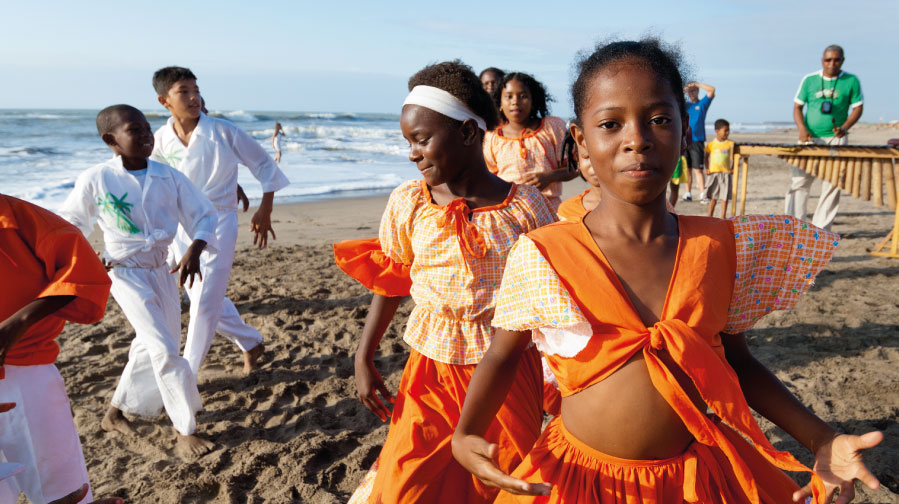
211 157
139 222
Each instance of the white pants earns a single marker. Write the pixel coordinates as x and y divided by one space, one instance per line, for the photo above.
40 434
210 310
156 375
797 196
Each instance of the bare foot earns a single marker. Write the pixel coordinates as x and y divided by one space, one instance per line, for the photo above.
191 446
114 421
250 357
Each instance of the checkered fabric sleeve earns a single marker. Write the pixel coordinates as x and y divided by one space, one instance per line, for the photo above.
531 297
397 222
778 258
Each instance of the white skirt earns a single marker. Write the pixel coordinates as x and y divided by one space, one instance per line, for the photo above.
40 434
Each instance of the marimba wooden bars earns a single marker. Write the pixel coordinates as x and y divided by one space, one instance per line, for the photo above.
864 171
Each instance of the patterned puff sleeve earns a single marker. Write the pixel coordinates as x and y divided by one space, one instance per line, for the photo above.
383 264
532 298
778 258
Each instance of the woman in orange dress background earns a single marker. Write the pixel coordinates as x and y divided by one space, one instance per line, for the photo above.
527 146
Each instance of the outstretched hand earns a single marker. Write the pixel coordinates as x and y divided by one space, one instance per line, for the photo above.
478 456
539 179
190 263
839 464
261 226
368 384
76 496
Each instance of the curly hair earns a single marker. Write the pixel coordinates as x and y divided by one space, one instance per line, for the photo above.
539 96
109 118
459 80
663 59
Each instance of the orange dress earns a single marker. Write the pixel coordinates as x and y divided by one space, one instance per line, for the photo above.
727 274
512 158
42 255
573 208
453 259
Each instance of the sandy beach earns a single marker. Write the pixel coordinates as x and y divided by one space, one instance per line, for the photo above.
294 431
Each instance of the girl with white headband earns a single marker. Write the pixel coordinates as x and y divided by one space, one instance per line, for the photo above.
527 146
444 240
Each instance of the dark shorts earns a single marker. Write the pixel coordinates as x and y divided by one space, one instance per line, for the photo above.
696 155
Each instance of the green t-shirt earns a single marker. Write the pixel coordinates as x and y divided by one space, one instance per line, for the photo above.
843 91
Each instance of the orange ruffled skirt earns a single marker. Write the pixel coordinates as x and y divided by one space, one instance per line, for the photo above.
579 473
416 463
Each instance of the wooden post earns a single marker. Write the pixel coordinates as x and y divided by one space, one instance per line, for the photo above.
888 181
876 182
743 182
864 185
839 172
857 177
733 183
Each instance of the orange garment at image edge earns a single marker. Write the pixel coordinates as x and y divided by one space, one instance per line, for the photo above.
42 255
557 277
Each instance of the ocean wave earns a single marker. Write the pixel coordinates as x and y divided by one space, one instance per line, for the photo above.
241 116
29 151
382 182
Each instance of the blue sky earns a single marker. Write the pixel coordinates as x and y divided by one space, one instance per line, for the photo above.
348 56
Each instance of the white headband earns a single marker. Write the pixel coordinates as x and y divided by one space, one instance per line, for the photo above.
444 103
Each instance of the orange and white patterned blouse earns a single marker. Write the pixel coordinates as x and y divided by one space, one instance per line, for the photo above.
536 151
456 257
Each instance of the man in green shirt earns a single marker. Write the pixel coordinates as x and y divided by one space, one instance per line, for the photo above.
833 101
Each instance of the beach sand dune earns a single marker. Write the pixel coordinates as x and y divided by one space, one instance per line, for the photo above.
294 431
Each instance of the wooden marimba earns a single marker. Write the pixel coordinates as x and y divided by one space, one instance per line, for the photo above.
869 172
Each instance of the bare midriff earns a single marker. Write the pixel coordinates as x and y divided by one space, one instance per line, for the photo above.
626 417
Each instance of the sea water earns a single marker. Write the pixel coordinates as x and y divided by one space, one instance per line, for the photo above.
323 154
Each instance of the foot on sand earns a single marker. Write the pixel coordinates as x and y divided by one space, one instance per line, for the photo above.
191 446
114 421
250 357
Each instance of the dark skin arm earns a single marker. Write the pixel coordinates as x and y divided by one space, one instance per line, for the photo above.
190 263
13 328
853 118
838 457
368 380
799 119
487 390
542 179
242 198
76 496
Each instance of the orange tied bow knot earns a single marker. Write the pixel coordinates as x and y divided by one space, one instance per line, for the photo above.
457 214
656 339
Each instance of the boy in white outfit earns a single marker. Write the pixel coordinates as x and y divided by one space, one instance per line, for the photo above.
139 204
208 151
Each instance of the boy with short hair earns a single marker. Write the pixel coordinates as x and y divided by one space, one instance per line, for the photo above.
208 151
140 204
719 158
51 275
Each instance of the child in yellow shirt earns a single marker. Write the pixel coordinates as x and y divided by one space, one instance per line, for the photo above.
719 158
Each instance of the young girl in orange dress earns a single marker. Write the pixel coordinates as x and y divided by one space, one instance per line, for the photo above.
640 314
444 240
527 147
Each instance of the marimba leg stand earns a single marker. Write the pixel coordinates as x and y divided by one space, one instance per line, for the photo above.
892 238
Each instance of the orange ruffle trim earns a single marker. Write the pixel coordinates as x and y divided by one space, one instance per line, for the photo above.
366 262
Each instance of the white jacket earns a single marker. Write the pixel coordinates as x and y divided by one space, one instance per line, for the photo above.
210 159
138 224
